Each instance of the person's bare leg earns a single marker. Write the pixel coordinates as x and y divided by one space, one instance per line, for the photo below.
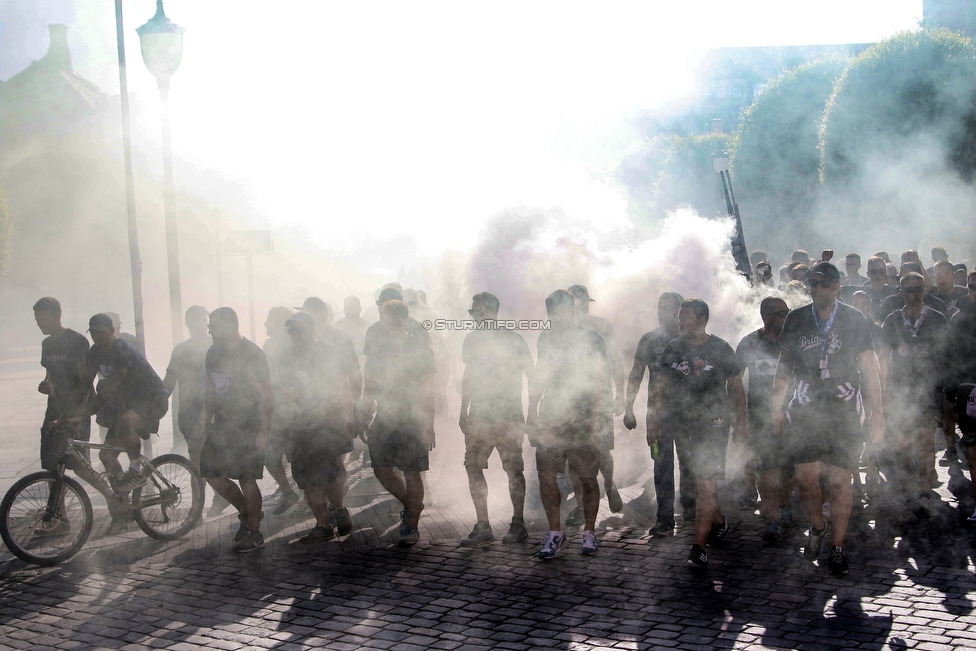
415 498
394 484
807 477
590 502
771 491
840 502
551 499
334 494
606 469
708 512
516 489
478 487
130 423
252 503
228 490
319 504
577 489
277 471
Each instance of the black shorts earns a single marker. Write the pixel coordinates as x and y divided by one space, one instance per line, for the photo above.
316 456
583 457
707 444
231 454
829 430
53 440
397 443
483 437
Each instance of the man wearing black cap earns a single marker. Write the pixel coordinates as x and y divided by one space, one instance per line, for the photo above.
316 408
398 389
604 440
130 399
239 406
569 402
826 349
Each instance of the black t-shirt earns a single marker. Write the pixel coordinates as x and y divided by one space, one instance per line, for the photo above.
494 362
916 359
961 348
897 301
759 355
951 298
188 364
574 373
235 375
314 390
63 356
649 351
140 381
697 374
800 348
398 361
877 297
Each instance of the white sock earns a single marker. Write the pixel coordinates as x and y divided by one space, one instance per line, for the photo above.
554 534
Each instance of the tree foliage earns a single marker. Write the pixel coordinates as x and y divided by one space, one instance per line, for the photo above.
775 160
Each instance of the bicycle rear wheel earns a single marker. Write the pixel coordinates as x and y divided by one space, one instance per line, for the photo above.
23 509
170 503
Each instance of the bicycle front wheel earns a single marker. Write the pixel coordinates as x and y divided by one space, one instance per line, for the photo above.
170 503
39 540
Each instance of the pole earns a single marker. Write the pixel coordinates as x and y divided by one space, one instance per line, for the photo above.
169 208
135 262
250 296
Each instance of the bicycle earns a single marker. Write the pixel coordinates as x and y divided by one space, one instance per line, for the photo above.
166 507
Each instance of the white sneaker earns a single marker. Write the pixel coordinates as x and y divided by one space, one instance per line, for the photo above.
552 544
590 544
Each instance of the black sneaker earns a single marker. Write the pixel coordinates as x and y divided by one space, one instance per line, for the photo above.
613 499
516 532
774 532
318 534
661 530
480 535
718 534
697 559
241 530
815 540
343 522
249 542
131 479
748 500
575 517
949 458
837 561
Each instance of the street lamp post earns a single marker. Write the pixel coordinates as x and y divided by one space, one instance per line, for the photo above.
720 162
162 49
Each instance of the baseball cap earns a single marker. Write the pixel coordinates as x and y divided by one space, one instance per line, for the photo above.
825 270
579 292
301 319
99 322
313 304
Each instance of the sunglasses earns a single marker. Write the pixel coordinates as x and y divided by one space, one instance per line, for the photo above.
816 282
913 290
780 313
876 272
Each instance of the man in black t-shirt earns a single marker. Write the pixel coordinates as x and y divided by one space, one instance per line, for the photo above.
912 358
398 388
315 407
68 388
826 350
491 414
570 397
758 353
239 405
130 399
698 392
648 356
187 371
